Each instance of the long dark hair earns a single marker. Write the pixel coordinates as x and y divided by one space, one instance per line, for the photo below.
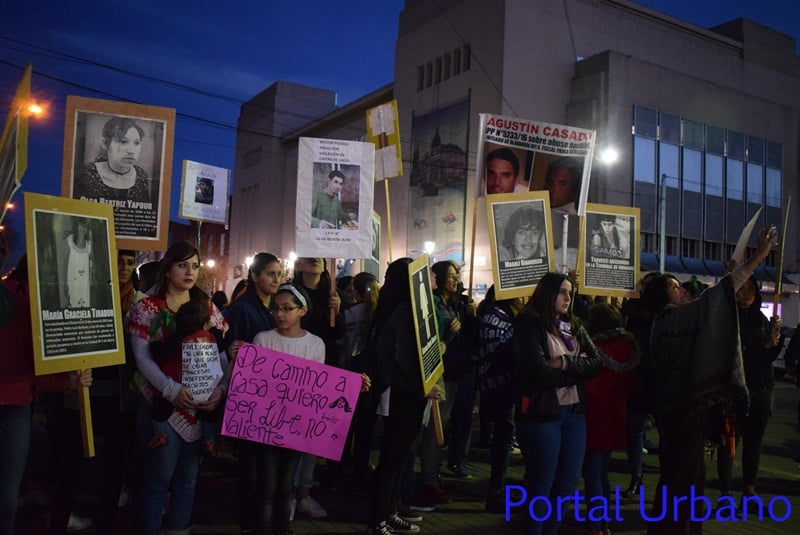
178 252
655 296
259 263
490 300
396 289
543 301
366 286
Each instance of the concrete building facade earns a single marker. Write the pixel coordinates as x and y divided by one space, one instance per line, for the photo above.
713 112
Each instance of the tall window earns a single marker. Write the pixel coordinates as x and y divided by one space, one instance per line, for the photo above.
724 175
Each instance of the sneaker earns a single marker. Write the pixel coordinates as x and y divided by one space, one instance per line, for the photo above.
78 523
428 498
460 472
311 507
398 525
407 514
380 529
292 507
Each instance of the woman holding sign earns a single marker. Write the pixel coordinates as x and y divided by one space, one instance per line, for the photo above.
247 316
399 395
276 466
172 467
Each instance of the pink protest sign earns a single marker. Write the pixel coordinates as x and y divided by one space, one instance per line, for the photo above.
283 400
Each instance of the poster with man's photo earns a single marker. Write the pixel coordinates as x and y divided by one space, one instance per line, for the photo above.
334 198
120 154
204 192
518 155
520 239
75 308
610 252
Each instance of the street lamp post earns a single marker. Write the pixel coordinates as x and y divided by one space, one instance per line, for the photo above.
662 222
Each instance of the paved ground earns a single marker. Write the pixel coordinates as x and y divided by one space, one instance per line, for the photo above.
215 511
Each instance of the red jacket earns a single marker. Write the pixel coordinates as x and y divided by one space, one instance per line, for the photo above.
607 396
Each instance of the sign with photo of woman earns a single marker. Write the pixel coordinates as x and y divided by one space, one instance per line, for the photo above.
75 312
120 154
610 252
521 244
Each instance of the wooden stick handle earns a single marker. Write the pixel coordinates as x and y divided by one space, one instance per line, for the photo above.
437 421
87 433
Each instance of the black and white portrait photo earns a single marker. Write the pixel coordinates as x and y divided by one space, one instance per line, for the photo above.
119 154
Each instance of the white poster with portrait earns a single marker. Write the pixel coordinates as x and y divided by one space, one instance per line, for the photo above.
518 155
204 192
334 198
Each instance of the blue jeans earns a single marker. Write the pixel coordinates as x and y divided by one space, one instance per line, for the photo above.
636 420
304 477
15 441
171 468
595 480
553 453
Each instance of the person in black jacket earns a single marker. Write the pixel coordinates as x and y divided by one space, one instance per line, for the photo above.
761 342
552 358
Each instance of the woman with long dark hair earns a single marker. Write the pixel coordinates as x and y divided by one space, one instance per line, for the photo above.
399 395
171 468
247 316
553 357
696 358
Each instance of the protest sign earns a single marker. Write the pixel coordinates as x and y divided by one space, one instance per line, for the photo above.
334 198
520 240
287 401
201 371
610 253
517 155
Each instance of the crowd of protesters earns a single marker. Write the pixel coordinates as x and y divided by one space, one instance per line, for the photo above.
567 379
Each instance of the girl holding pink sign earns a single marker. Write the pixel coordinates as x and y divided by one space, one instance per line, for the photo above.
276 466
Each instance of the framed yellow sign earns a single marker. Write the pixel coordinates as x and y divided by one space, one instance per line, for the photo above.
75 306
427 328
609 256
521 241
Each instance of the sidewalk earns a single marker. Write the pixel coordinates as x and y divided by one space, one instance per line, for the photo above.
216 509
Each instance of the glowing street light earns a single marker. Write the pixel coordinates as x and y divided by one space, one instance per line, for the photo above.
609 155
210 263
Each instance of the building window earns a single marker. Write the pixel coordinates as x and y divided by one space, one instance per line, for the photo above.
428 74
689 248
251 158
420 78
447 66
437 71
456 62
467 57
726 176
